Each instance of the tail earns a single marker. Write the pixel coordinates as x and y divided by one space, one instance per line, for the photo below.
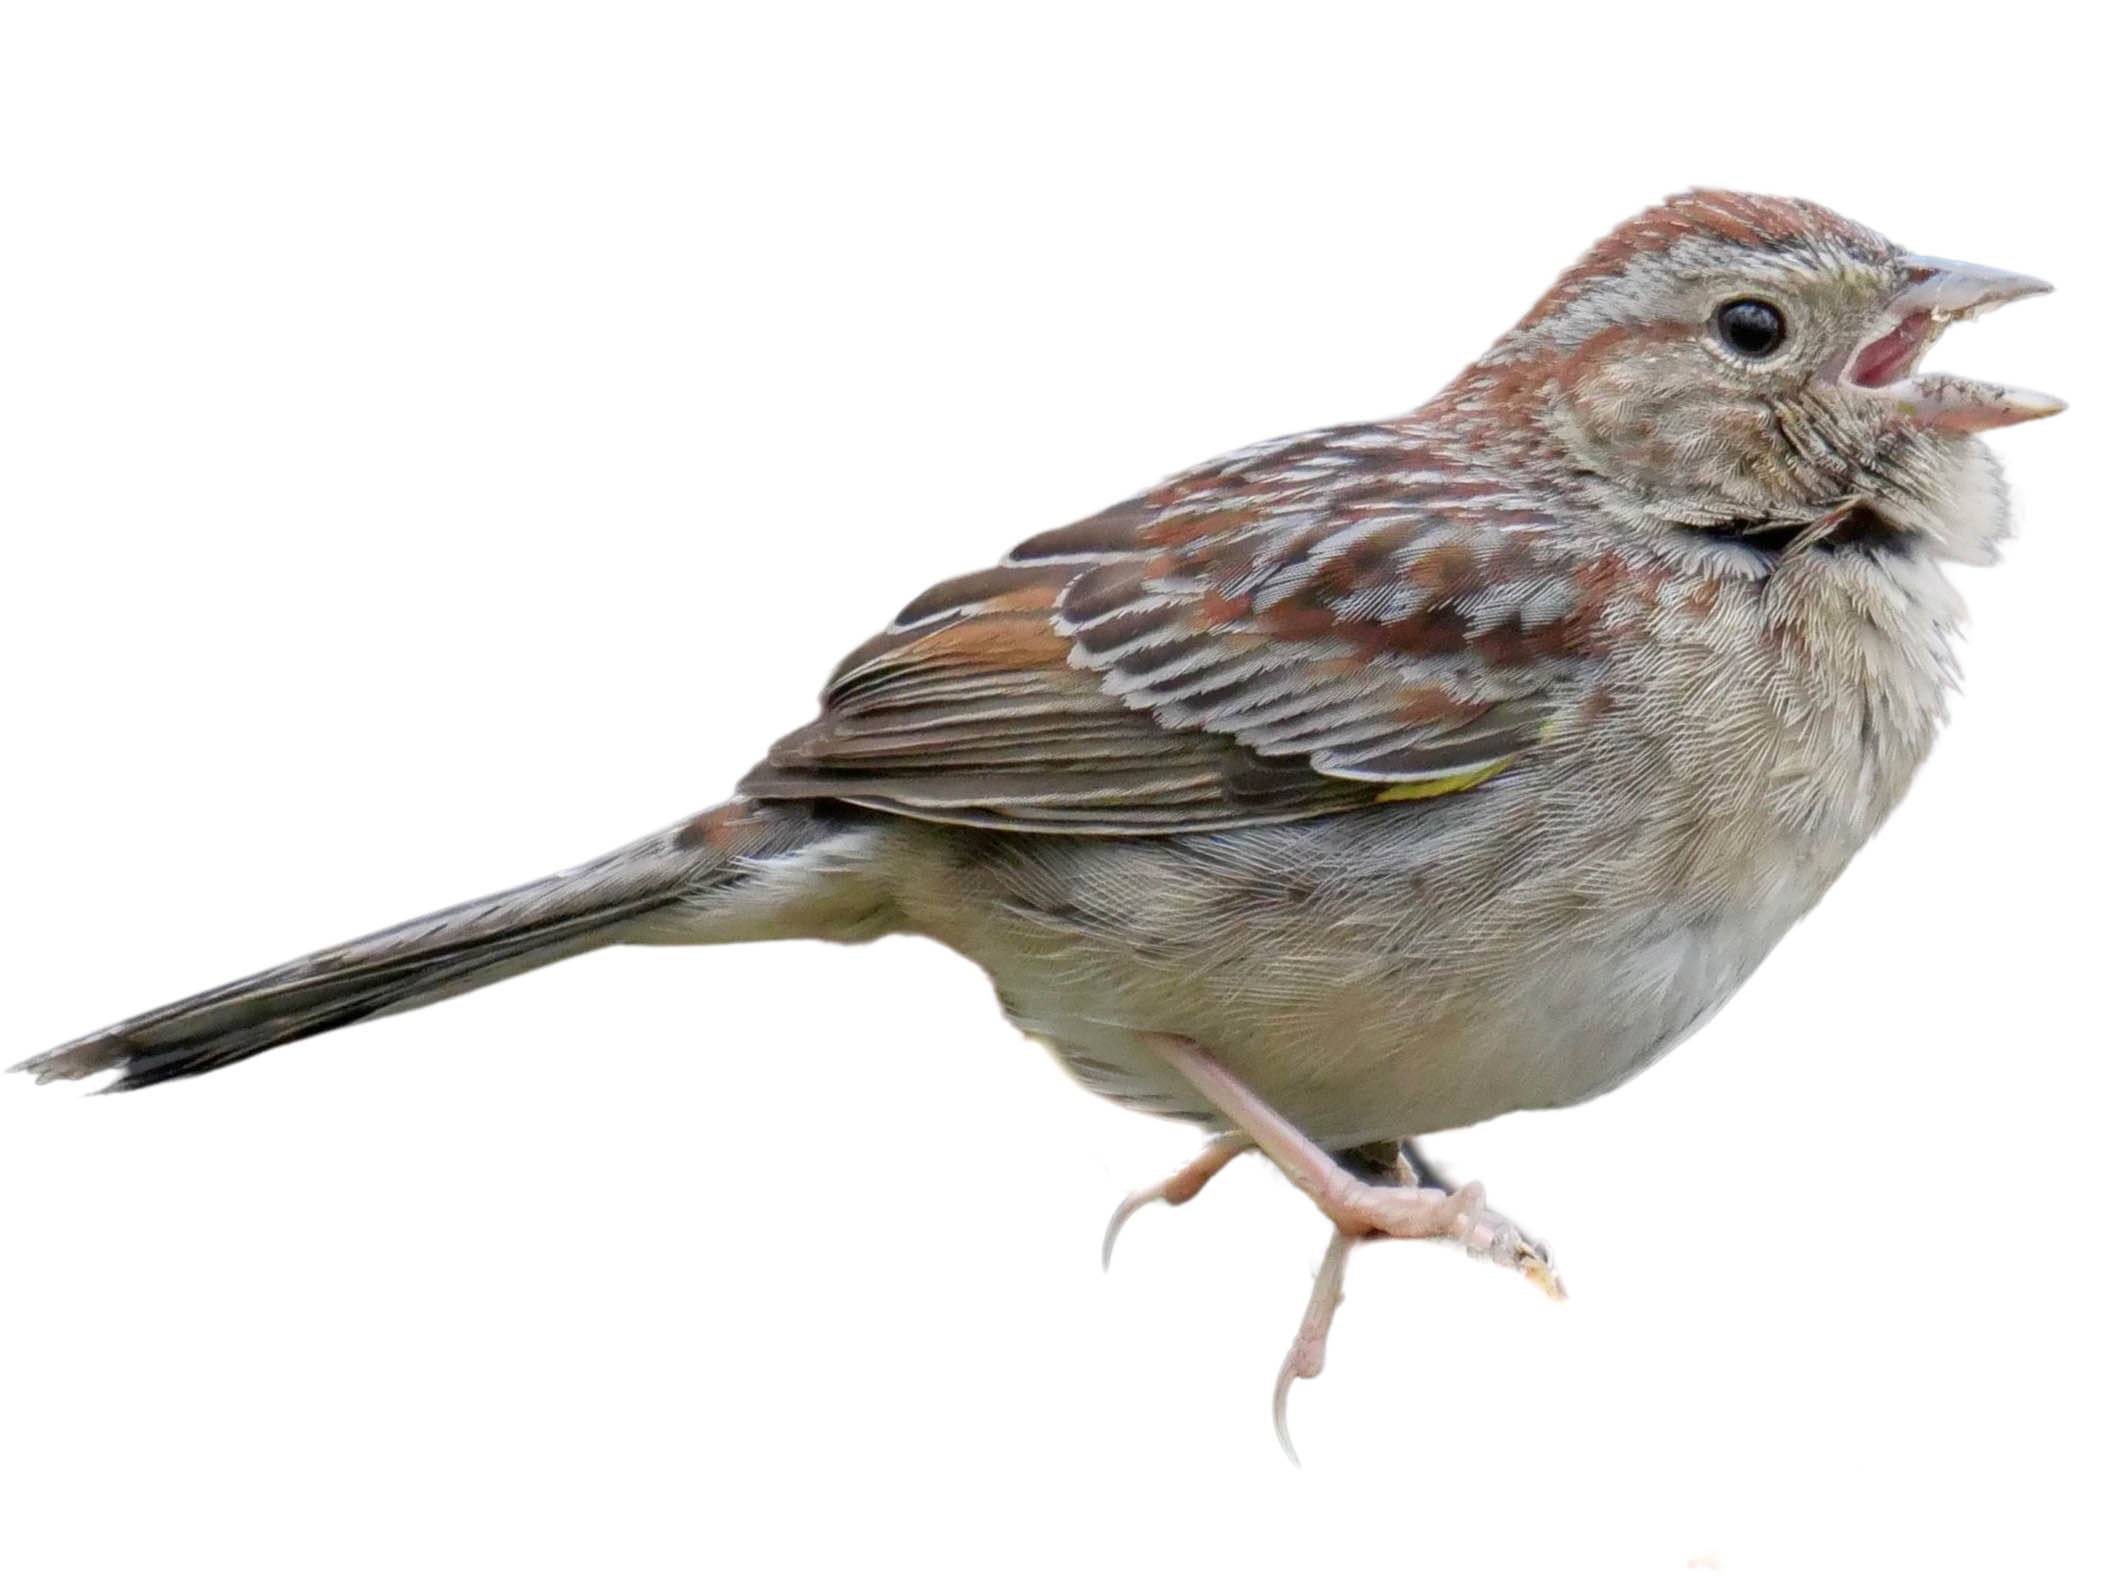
737 871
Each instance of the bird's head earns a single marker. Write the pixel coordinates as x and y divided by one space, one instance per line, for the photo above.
1725 358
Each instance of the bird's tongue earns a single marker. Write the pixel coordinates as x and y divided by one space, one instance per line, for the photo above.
1884 360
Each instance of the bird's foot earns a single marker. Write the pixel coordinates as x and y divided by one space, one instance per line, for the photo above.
1178 1189
1358 1210
1404 1212
1418 1212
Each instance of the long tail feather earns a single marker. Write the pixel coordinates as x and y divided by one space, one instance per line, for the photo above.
433 957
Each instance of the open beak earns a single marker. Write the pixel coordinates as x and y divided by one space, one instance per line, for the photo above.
1936 292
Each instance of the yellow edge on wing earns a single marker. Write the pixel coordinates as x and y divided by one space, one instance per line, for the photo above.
1447 784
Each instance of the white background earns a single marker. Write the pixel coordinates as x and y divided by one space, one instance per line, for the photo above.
439 442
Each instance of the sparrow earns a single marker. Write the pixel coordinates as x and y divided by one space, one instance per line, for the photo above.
1376 780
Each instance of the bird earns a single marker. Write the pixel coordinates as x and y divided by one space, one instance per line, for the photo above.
1373 781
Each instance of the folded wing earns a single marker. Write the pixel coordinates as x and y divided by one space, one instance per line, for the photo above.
1319 623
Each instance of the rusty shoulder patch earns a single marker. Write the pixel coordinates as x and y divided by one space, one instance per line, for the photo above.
721 828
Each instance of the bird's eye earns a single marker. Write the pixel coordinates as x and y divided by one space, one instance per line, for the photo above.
1753 329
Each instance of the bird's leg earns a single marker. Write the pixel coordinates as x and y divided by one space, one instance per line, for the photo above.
1355 1207
1179 1188
1359 1209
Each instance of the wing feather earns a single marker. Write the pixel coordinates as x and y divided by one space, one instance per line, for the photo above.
1327 621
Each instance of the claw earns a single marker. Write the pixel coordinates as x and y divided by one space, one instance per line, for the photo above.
1175 1191
1482 1232
1305 1356
1537 1269
1126 1209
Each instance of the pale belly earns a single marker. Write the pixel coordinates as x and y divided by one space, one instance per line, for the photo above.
1371 978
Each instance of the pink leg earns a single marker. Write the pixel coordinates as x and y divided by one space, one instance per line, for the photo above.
1305 1357
1179 1188
1357 1210
1401 1212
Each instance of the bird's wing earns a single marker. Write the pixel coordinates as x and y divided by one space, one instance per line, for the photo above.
1319 623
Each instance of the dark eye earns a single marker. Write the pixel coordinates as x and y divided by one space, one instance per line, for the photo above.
1754 329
